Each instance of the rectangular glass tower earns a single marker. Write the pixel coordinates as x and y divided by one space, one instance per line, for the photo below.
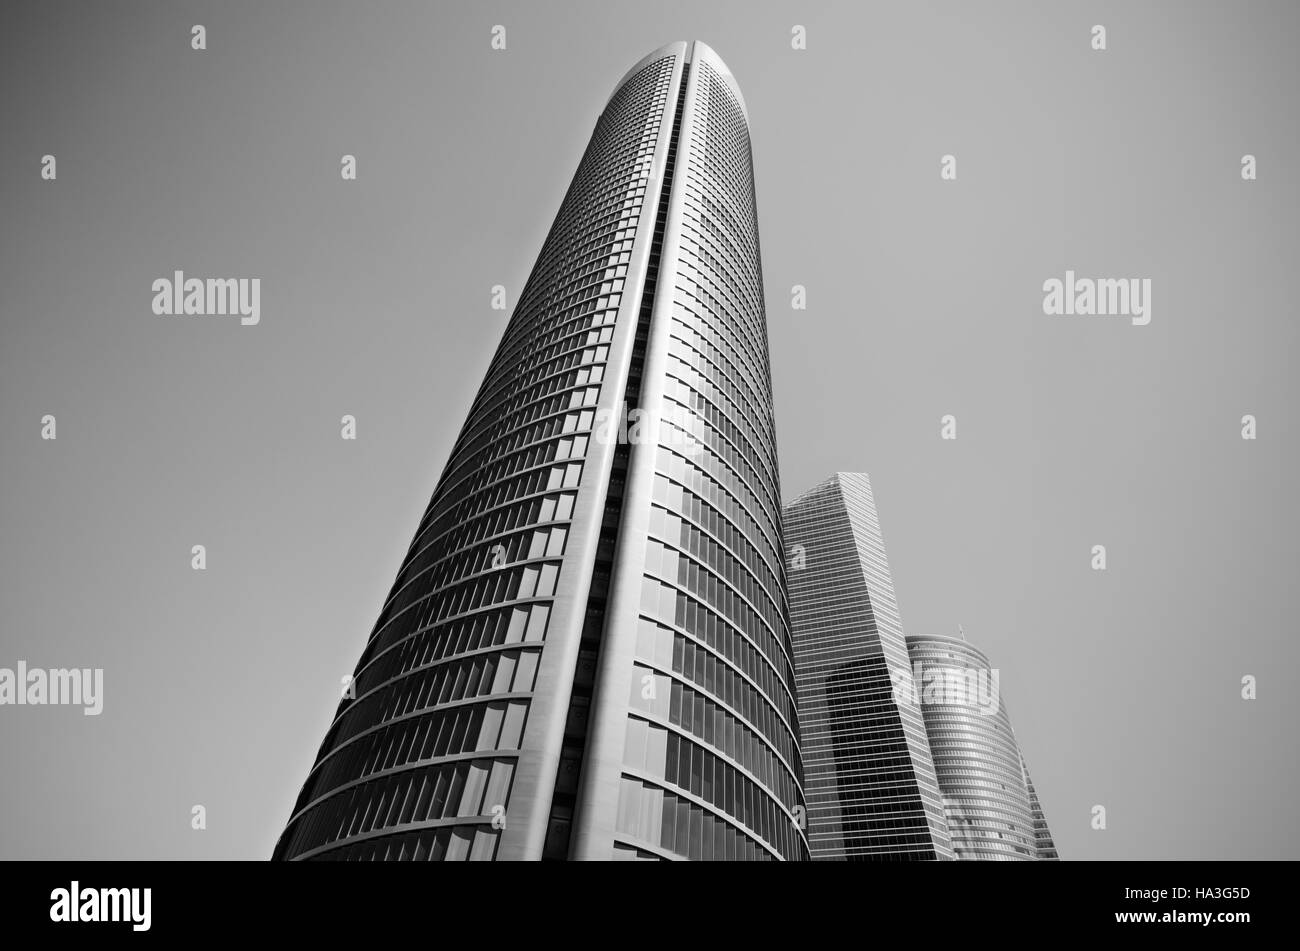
870 780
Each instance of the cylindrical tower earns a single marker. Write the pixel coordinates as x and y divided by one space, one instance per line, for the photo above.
976 759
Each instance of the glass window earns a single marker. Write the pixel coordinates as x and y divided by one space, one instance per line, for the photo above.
527 670
472 796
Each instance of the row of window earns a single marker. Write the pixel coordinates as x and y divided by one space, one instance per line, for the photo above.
660 695
704 340
392 625
727 464
690 524
610 171
679 370
557 381
655 815
506 584
485 438
596 220
744 309
477 521
530 543
728 279
970 816
513 624
702 549
664 603
886 848
493 523
732 291
472 490
973 787
689 364
733 210
447 844
705 343
494 589
468 729
737 249
404 696
496 426
466 789
509 505
711 465
681 762
733 419
867 813
985 759
478 675
717 454
860 773
672 495
722 270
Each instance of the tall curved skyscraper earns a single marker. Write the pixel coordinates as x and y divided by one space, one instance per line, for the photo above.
993 812
1044 845
586 652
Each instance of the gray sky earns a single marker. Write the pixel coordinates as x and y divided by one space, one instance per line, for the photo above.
924 299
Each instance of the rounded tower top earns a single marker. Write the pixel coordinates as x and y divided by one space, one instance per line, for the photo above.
693 51
959 645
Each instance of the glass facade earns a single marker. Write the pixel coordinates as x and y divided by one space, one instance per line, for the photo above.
870 780
985 786
1044 846
586 651
696 711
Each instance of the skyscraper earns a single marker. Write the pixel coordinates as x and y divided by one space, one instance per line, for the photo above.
586 651
870 781
993 813
1044 845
